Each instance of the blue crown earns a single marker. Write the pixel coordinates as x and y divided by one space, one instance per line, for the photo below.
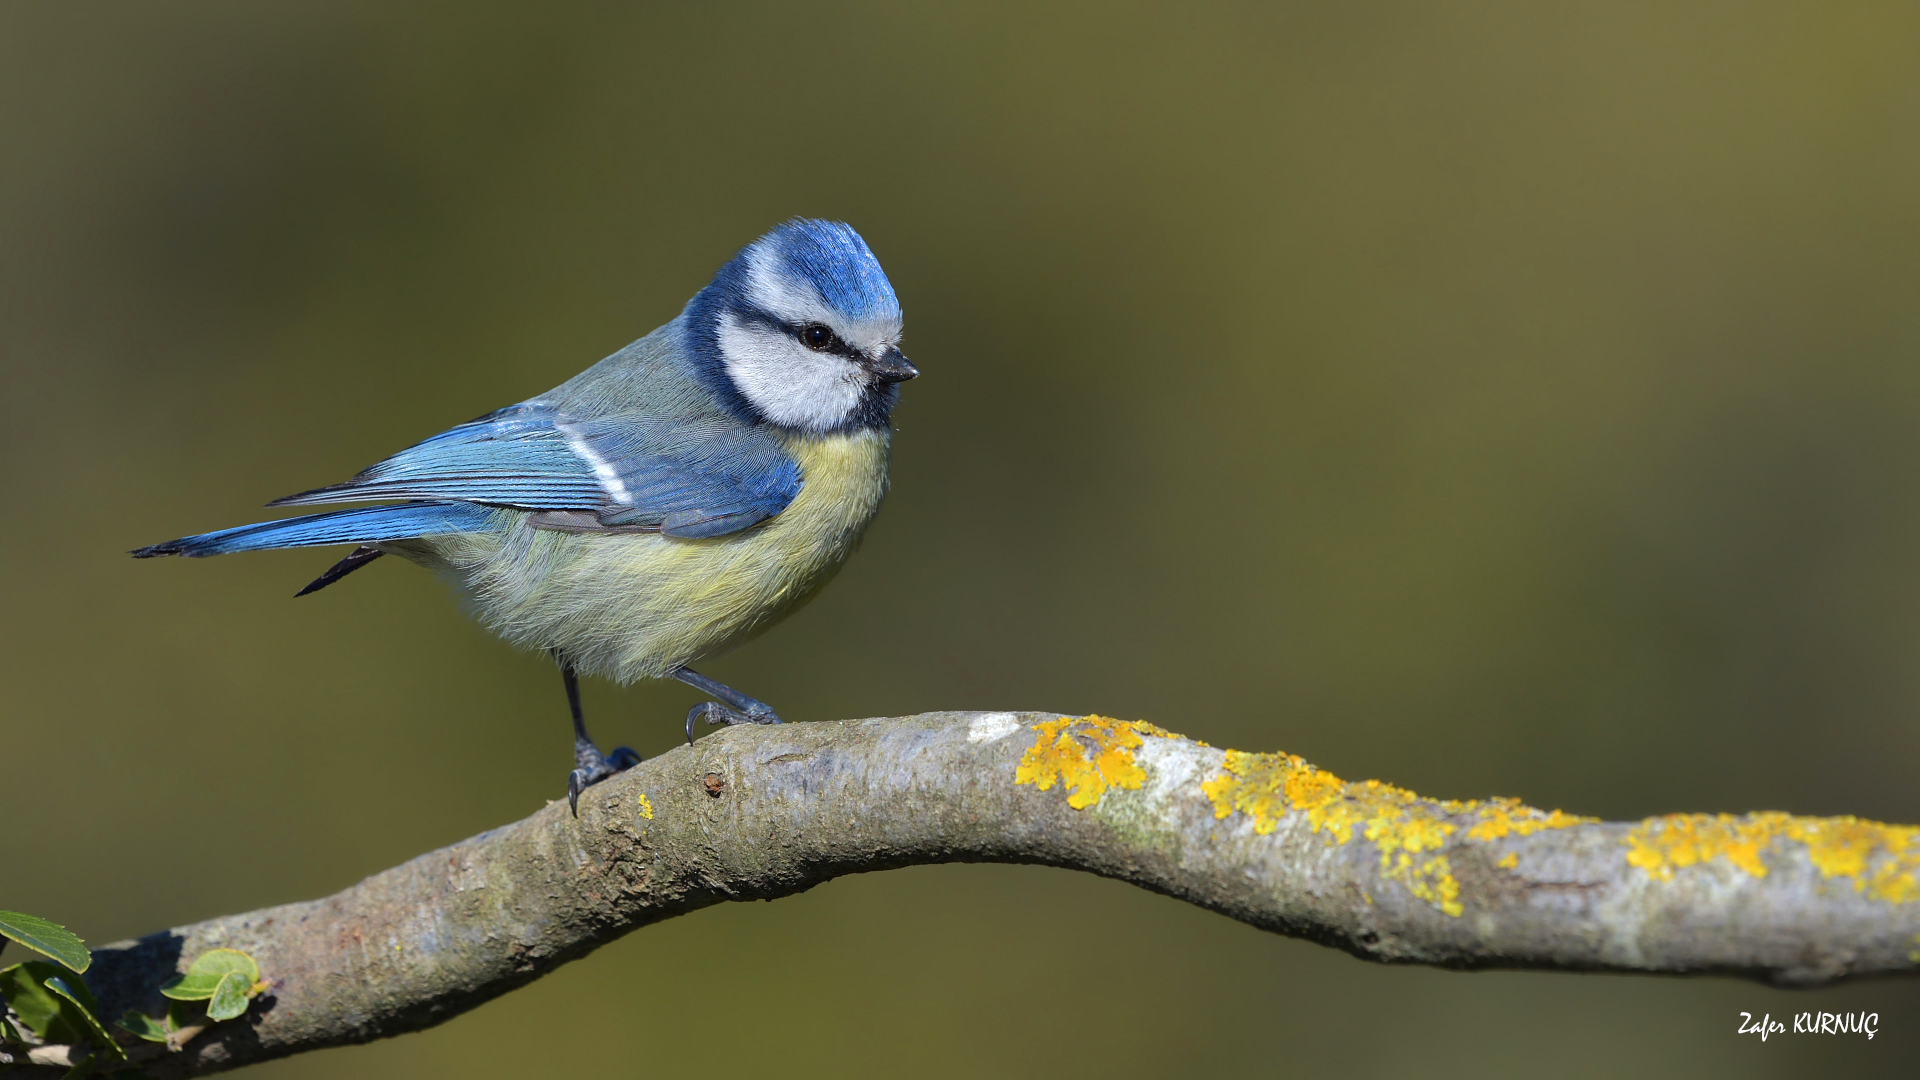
831 257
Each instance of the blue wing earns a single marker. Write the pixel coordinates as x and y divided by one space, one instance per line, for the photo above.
624 471
364 525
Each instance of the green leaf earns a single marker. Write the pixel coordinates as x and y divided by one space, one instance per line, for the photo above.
208 973
144 1026
40 1010
218 962
82 999
8 1033
55 1004
49 937
74 989
82 1070
190 987
230 999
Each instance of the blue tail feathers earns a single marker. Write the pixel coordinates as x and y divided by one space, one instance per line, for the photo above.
364 525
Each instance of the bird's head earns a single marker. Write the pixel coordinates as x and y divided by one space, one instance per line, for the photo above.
802 330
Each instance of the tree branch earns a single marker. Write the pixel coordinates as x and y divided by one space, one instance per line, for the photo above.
761 812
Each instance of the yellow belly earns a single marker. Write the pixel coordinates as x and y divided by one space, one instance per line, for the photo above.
638 605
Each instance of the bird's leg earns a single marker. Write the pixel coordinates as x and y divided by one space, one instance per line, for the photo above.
589 767
733 707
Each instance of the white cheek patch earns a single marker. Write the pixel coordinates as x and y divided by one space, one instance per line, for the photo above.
789 383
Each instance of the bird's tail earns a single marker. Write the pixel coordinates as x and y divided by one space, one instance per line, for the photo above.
364 525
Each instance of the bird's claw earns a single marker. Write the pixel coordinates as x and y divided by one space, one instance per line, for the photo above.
592 768
715 713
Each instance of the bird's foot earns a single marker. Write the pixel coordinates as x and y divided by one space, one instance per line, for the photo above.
590 768
755 712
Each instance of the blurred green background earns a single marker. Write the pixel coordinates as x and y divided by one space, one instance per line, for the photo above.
1493 399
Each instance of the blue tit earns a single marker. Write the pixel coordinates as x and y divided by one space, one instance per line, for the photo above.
663 506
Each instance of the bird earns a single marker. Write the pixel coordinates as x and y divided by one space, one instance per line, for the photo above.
666 504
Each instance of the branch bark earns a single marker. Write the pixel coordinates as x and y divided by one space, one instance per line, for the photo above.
761 812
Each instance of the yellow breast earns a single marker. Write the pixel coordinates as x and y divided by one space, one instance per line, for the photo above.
638 605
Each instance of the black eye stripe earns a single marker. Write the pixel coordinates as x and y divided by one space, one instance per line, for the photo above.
753 316
821 338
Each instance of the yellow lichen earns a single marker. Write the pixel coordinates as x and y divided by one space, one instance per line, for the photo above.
1846 846
1265 787
1409 832
1155 730
1510 817
1060 755
1432 881
1662 845
646 808
1882 860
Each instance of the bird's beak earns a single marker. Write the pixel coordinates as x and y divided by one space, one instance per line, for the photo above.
893 366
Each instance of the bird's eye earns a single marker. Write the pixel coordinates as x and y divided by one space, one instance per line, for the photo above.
816 337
